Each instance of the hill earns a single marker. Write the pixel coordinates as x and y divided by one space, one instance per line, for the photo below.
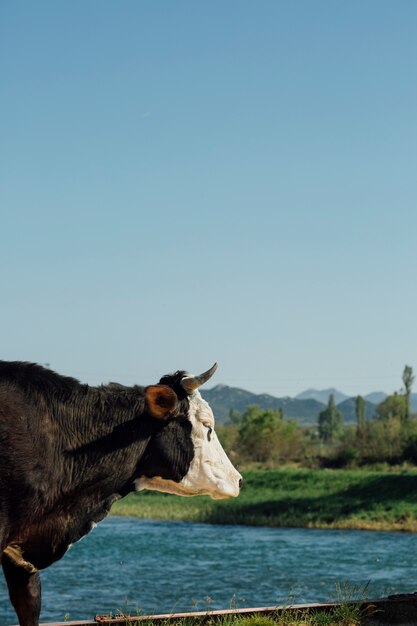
347 408
223 398
304 408
375 397
322 395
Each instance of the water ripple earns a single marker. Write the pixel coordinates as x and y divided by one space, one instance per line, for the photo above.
154 566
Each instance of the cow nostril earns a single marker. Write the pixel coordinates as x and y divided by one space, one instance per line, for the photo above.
240 483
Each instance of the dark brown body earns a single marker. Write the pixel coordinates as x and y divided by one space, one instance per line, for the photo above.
67 451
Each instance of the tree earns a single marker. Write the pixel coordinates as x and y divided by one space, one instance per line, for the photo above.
265 437
360 412
394 406
330 421
408 380
259 433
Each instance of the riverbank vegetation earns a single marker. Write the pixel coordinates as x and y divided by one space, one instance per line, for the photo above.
311 498
347 606
267 438
345 614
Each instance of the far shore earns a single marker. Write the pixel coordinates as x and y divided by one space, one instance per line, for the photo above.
303 498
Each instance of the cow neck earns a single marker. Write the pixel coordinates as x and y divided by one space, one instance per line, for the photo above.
105 434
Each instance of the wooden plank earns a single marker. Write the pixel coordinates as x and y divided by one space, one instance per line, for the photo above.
396 610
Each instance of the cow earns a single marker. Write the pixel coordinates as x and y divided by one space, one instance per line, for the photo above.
69 450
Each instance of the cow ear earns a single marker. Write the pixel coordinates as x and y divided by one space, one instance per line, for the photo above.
161 401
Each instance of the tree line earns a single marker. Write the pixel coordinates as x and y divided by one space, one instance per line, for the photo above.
266 437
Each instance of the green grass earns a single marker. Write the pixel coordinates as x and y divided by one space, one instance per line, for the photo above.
349 608
354 499
349 617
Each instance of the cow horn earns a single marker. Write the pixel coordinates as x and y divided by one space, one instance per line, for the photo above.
191 383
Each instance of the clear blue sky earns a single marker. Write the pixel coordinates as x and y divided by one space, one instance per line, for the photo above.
184 182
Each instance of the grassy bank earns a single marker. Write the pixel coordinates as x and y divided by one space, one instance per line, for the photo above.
296 497
344 614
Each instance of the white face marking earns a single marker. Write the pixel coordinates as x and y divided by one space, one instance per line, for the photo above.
211 473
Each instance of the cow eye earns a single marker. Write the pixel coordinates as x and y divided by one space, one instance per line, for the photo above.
210 430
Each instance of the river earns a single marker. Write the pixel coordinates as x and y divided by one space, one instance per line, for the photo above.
128 565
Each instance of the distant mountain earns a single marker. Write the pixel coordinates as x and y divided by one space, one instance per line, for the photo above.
347 408
305 410
223 398
322 395
375 397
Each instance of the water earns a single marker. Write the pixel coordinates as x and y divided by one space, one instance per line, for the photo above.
129 564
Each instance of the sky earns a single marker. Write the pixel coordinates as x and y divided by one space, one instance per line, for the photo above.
184 182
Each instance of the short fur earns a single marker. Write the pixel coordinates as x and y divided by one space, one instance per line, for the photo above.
67 452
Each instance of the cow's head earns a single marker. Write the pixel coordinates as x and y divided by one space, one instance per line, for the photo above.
185 457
